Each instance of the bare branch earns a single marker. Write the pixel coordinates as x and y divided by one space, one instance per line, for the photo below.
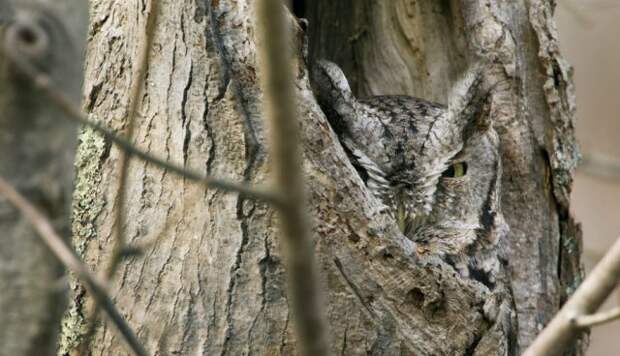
578 13
144 43
587 321
68 257
119 242
600 166
43 82
587 298
280 107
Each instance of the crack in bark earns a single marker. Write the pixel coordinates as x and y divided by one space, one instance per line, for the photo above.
232 75
263 277
284 338
189 330
353 287
149 255
184 122
234 271
211 37
210 135
165 264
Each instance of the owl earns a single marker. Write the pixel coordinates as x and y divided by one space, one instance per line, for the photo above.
435 168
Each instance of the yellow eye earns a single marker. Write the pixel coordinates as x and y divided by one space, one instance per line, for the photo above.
456 170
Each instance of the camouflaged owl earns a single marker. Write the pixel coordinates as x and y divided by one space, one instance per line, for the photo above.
435 168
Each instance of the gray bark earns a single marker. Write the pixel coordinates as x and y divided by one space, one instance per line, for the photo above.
211 280
36 155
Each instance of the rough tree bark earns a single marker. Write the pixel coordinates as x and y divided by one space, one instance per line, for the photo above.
36 155
211 280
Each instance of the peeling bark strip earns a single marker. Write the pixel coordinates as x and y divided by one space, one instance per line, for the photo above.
36 153
213 280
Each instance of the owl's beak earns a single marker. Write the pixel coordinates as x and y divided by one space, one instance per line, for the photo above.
409 221
402 217
408 216
415 222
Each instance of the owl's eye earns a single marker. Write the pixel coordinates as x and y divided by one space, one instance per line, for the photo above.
456 170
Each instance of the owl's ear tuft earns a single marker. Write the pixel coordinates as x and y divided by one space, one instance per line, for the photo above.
467 94
330 83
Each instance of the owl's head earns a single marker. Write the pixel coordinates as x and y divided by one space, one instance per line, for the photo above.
463 204
436 167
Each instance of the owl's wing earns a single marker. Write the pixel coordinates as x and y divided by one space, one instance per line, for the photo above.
376 179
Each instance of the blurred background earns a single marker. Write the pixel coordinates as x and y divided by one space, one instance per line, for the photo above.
590 39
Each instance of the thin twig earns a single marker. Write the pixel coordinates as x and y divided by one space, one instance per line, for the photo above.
587 299
280 107
134 97
588 321
68 257
600 166
578 13
43 82
119 241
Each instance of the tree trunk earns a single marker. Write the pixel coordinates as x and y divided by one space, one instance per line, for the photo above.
36 156
211 280
417 48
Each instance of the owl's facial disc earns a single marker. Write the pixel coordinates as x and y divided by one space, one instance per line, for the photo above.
409 217
466 202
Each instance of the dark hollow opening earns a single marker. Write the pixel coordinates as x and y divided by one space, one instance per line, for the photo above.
299 8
